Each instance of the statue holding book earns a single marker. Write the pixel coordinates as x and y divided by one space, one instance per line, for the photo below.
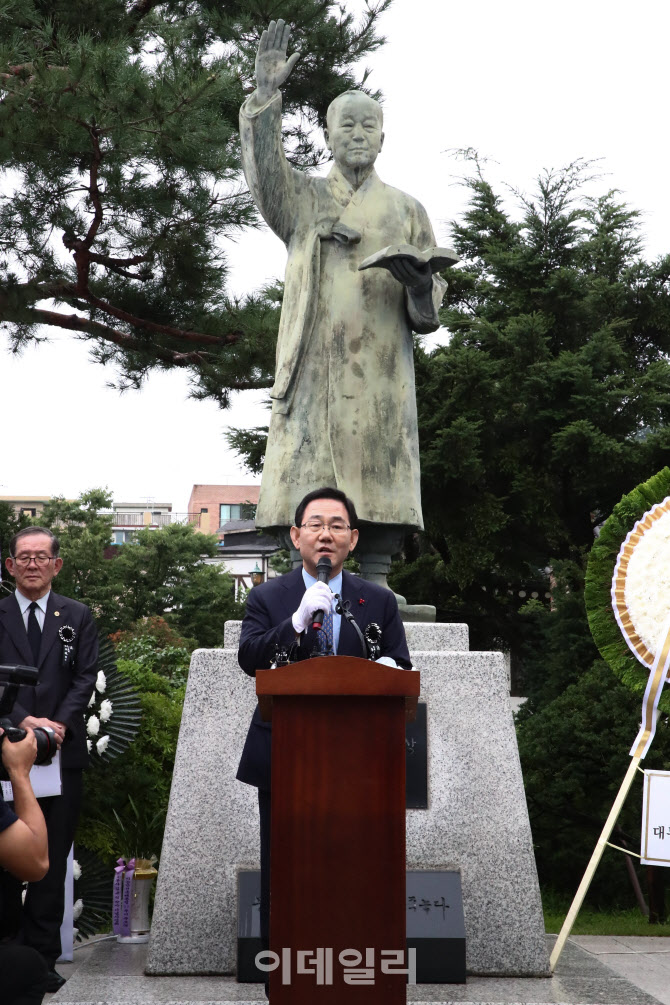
360 279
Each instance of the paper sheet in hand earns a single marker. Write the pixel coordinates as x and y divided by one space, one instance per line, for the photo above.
44 778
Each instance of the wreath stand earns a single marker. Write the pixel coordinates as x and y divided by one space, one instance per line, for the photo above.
658 664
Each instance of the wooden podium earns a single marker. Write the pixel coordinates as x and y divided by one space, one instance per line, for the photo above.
338 829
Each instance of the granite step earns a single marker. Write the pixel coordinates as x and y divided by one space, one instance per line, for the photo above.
113 974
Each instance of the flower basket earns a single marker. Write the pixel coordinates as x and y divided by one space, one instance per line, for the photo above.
133 884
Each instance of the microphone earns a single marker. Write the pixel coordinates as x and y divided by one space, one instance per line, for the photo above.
323 570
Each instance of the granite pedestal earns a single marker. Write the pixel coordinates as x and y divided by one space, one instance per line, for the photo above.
476 819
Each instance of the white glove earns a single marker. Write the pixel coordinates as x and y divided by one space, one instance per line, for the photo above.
388 661
317 597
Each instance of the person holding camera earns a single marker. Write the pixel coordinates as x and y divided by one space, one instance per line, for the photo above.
23 852
58 636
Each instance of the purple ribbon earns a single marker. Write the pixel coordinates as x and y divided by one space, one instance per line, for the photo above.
118 887
127 897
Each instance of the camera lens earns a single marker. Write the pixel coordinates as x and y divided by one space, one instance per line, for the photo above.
47 745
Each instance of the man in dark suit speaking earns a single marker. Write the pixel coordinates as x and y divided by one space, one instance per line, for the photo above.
40 628
280 614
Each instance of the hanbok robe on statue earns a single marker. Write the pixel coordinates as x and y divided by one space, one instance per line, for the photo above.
343 401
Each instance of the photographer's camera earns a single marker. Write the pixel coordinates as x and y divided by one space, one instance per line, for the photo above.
12 677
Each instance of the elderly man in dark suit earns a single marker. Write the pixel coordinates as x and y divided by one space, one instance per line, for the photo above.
41 628
280 614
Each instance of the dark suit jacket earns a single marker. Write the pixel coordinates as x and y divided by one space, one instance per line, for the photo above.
62 692
267 623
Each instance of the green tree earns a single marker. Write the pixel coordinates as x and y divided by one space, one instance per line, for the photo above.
551 399
10 524
84 533
154 645
120 165
162 573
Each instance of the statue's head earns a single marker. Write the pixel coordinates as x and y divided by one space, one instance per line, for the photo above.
355 129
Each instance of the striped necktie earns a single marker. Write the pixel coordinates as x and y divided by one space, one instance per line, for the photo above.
327 628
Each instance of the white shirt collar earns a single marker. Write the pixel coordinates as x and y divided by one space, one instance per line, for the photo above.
24 603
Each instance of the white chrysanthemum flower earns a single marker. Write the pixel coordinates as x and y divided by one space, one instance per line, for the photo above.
93 725
101 682
89 745
105 709
647 591
92 699
76 869
102 744
77 908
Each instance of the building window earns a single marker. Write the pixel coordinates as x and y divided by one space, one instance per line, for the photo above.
229 512
203 509
122 536
236 511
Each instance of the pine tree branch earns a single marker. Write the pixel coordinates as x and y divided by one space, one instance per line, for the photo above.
21 68
181 333
141 8
18 73
173 111
23 297
123 340
94 191
83 258
27 294
81 248
117 264
251 385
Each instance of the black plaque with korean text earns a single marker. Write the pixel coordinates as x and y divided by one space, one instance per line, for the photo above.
436 926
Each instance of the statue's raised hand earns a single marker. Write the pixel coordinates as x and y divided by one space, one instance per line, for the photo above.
272 66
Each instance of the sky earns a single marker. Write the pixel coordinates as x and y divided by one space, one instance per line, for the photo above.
529 85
